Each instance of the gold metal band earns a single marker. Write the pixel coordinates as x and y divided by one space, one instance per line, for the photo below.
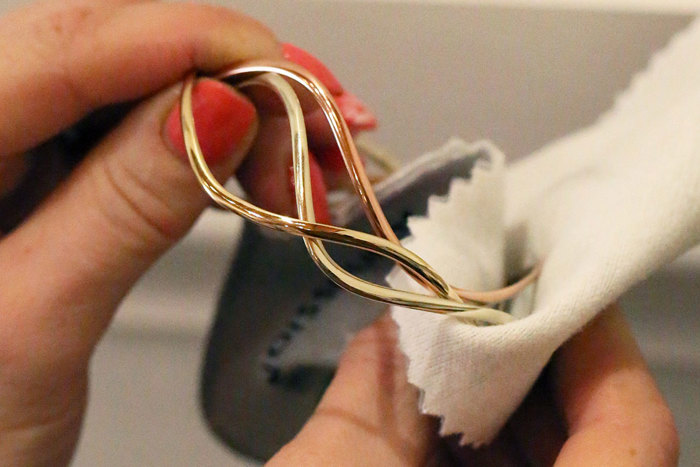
272 75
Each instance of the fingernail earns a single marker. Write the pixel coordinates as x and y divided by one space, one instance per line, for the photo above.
318 190
355 112
312 64
222 119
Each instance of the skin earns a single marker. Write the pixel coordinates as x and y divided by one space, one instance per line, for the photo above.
596 404
70 257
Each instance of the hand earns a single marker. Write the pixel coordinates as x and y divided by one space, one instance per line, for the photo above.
597 404
107 71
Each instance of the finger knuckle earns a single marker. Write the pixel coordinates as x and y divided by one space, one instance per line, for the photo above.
133 210
61 26
57 34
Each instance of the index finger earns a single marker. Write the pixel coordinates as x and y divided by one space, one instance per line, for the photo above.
614 411
62 60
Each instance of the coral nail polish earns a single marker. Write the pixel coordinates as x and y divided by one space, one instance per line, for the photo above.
355 113
319 70
222 119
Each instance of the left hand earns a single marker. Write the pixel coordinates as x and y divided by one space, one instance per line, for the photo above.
66 263
91 210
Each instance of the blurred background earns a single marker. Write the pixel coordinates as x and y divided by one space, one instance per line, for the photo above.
517 72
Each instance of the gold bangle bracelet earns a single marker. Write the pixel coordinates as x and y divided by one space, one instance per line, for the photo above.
272 75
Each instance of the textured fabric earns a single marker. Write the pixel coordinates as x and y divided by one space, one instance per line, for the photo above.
603 208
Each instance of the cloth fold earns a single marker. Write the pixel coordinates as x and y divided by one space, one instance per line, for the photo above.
602 208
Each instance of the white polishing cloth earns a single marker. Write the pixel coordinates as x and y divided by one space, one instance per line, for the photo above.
603 208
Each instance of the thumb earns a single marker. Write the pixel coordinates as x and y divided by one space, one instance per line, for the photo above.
369 414
67 267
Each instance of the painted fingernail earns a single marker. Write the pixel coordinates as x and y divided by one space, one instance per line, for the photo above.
355 112
319 70
222 119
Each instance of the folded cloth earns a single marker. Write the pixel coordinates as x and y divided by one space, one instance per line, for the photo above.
602 208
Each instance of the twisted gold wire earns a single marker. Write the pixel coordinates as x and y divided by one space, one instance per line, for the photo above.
270 75
312 231
358 177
